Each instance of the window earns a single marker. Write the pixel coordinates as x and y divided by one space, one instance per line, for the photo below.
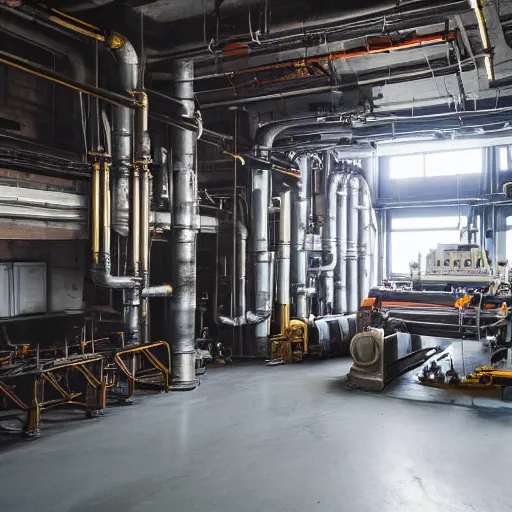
406 166
414 237
504 157
413 223
428 165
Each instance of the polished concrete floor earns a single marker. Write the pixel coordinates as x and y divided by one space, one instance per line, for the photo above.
273 439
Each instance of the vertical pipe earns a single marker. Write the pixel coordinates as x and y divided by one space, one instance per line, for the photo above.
242 268
95 212
381 242
351 255
364 241
284 260
181 335
122 129
298 238
141 205
106 216
261 256
341 245
144 249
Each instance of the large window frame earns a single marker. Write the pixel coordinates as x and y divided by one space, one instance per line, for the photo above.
436 164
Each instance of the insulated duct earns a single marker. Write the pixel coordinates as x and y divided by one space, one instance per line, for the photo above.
284 260
340 276
181 334
125 80
351 255
300 219
330 257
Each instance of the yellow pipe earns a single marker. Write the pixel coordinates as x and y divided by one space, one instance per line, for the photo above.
144 247
66 24
57 81
95 235
106 205
484 36
285 319
72 18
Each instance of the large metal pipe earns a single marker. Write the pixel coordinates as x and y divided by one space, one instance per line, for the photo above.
363 243
181 335
368 231
284 260
102 273
341 303
242 268
298 238
330 256
125 80
351 255
141 207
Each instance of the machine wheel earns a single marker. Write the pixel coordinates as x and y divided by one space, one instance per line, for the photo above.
94 413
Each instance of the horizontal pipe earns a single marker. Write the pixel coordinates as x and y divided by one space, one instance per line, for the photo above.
383 46
163 290
43 72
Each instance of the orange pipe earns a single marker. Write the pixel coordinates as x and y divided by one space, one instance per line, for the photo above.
369 50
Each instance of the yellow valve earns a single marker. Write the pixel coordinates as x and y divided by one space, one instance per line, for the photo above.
463 301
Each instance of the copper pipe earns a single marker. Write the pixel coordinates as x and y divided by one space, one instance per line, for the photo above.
106 209
80 30
72 18
369 50
95 235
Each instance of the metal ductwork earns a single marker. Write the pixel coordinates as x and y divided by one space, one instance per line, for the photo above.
300 219
330 257
340 275
262 259
351 254
125 80
181 335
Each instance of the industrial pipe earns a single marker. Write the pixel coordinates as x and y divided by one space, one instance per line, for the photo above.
95 207
122 128
284 260
351 254
181 335
298 238
102 274
340 278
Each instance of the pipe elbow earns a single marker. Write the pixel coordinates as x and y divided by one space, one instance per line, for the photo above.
102 278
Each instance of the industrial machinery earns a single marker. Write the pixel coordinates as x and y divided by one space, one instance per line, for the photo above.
457 297
333 262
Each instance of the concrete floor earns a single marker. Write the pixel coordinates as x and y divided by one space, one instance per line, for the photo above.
254 438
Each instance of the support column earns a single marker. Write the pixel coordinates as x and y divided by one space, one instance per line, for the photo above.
181 334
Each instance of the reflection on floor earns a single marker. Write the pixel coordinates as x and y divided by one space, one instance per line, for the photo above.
254 438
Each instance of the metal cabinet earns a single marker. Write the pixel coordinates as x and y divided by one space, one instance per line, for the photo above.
6 290
29 288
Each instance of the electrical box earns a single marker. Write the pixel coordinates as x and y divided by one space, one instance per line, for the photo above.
29 288
66 289
6 290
